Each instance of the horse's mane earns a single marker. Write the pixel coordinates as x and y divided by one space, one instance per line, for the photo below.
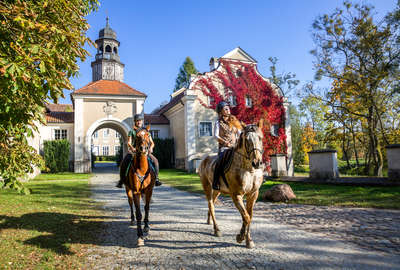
234 122
251 128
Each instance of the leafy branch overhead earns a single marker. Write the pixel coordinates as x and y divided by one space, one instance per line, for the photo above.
39 47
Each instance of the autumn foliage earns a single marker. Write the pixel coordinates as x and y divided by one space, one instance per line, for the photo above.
254 99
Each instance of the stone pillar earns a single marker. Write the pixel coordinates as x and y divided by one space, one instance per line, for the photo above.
393 157
323 164
289 161
278 165
190 128
79 136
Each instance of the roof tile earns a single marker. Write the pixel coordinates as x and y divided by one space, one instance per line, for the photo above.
106 87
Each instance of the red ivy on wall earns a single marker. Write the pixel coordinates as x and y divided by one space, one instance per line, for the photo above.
242 81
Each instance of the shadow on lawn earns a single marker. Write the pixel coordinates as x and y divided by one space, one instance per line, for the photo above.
57 230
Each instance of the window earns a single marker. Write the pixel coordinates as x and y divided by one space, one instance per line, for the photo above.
249 102
116 149
115 50
95 134
60 134
117 135
232 101
155 133
105 151
95 150
205 129
211 100
108 48
106 132
274 130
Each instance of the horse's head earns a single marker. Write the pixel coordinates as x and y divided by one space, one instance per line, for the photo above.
251 140
143 140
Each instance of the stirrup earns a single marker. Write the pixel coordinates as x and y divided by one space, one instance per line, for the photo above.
158 182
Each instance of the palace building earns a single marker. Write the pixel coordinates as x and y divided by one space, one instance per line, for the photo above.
102 111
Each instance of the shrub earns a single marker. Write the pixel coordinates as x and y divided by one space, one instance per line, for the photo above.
56 155
164 152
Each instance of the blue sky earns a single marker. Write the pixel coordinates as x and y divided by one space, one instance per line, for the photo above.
156 36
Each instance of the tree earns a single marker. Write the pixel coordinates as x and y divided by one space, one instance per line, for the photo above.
297 135
308 141
361 57
39 47
185 71
285 81
251 97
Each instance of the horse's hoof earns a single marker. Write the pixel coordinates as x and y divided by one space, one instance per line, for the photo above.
239 238
146 229
250 244
140 242
218 233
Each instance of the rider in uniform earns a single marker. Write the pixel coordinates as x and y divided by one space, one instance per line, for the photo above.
138 119
226 135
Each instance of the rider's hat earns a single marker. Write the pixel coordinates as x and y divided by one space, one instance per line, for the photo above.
221 105
138 116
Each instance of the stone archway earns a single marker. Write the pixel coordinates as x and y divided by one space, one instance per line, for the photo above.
110 122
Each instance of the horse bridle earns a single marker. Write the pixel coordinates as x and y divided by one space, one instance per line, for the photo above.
147 145
248 129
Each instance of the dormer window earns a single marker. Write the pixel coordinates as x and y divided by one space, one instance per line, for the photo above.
249 102
210 100
232 100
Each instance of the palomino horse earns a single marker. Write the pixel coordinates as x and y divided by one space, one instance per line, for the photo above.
140 182
244 177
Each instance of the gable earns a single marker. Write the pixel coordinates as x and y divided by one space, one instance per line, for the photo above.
240 55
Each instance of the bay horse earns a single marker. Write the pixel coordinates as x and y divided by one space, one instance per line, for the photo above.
140 182
244 177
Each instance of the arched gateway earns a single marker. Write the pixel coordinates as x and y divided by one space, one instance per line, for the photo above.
106 102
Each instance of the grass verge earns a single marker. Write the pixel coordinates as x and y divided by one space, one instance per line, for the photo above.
50 229
315 194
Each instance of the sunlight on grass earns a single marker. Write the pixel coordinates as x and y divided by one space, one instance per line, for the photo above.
51 228
315 194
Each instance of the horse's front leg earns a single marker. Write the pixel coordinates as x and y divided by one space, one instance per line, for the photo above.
148 195
250 202
129 193
140 240
238 200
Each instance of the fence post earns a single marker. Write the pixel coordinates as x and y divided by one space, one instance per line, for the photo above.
393 156
278 165
323 164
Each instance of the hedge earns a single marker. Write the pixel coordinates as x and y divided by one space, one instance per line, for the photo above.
56 155
164 152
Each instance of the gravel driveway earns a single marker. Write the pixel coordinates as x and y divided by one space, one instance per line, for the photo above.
180 238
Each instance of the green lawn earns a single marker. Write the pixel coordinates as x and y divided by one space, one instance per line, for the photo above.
315 194
62 176
52 227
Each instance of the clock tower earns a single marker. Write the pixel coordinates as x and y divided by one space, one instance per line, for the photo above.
107 65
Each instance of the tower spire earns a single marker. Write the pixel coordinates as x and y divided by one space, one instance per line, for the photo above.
107 21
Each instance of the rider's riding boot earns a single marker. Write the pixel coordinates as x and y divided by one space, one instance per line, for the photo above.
158 182
215 184
120 182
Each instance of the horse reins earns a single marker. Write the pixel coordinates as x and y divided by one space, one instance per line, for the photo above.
246 147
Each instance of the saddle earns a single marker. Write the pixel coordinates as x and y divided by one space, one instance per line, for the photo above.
224 163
